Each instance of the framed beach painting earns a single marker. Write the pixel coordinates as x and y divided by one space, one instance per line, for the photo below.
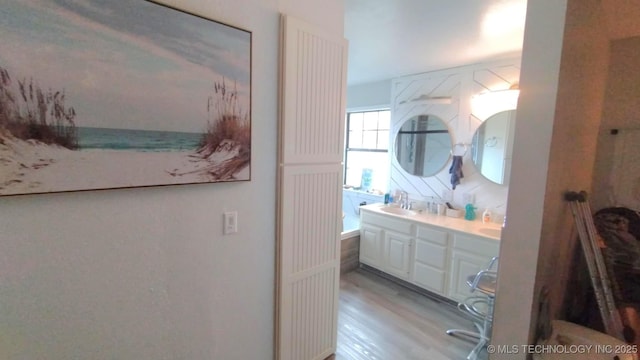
99 94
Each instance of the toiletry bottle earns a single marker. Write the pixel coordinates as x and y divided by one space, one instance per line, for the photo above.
486 216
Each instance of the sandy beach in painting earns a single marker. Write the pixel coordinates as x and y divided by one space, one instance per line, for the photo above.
33 167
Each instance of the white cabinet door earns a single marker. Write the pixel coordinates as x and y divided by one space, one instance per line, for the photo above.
469 254
396 254
431 260
464 264
371 246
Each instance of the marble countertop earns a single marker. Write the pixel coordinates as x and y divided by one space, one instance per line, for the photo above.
475 227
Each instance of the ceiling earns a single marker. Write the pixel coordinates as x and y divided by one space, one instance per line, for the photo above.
392 38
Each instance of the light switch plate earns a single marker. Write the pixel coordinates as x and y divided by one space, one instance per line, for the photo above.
230 222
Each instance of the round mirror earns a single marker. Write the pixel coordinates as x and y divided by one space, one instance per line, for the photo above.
492 145
423 145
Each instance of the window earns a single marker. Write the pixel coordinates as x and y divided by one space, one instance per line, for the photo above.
367 144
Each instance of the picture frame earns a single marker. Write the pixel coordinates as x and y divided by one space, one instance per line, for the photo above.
105 95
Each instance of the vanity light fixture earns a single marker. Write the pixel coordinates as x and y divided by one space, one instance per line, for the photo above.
426 99
488 103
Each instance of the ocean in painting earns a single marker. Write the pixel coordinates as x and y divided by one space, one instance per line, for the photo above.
136 140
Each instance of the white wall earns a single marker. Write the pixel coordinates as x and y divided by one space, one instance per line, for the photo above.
376 95
521 236
581 86
621 108
620 111
146 273
563 79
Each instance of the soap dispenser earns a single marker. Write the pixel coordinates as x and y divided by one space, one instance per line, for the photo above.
470 213
486 216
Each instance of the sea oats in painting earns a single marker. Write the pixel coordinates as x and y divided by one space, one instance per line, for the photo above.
100 94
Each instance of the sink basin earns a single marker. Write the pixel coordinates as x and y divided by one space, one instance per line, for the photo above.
398 211
490 232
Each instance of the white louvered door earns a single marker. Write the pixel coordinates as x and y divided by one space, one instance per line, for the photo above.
312 108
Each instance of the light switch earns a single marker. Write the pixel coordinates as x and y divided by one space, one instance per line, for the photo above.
230 222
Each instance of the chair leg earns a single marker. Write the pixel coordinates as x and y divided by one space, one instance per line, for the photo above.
467 333
473 355
484 329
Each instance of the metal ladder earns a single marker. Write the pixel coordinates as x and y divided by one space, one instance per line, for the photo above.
591 246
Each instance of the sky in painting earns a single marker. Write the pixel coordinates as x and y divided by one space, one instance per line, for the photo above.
128 64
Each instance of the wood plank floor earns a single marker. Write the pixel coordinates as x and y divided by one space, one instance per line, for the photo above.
379 319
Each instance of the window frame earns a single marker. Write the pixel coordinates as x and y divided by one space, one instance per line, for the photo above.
347 149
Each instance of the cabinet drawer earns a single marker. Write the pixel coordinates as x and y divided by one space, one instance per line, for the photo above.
387 222
431 254
476 245
433 235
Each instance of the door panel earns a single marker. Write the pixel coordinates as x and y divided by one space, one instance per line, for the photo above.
396 255
312 103
371 246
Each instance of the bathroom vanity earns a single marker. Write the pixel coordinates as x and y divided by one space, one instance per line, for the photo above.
433 252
